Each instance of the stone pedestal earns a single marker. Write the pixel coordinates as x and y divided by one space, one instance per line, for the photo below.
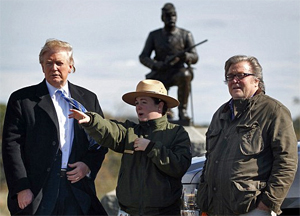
197 137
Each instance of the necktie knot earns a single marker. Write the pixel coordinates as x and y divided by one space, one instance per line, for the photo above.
74 103
59 91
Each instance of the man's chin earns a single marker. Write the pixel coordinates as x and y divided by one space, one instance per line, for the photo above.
57 83
171 25
237 95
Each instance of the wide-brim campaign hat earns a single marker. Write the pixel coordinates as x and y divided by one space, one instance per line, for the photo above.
150 88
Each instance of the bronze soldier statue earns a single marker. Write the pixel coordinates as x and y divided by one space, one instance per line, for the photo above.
167 66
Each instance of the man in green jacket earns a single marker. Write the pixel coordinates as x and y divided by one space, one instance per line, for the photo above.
156 153
251 156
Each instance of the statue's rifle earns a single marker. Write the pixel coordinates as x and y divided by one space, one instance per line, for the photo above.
169 60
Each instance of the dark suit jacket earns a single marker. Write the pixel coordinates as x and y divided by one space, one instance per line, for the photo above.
30 148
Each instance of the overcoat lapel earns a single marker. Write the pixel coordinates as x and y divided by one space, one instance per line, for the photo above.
46 103
75 92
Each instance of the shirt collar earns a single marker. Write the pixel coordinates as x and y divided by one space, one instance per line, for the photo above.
231 102
52 89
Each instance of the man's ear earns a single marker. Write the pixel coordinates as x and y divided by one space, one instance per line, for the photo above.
71 68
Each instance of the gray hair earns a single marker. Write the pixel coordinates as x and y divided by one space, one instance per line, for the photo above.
255 66
54 44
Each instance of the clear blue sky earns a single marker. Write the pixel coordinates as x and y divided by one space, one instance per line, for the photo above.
108 36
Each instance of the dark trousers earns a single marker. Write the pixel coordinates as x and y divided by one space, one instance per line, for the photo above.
66 202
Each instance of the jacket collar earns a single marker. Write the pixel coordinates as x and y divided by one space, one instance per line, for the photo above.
155 123
241 104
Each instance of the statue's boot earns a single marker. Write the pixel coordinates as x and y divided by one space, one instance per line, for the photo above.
183 114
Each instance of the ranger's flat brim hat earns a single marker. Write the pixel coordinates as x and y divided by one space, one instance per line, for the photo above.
150 88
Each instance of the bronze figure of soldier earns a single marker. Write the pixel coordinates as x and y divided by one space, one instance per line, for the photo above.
167 42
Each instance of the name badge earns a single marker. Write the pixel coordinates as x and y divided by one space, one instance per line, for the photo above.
127 151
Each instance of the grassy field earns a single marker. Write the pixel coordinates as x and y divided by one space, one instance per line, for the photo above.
3 195
106 180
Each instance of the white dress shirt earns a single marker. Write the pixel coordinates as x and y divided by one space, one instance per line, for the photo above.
66 129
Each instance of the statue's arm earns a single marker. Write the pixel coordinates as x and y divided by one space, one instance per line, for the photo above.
145 56
191 56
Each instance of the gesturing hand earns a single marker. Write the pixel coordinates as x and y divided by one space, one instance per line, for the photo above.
80 116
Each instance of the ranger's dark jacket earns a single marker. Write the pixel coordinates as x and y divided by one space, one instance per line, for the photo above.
148 180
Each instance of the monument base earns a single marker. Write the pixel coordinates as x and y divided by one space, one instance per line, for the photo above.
197 137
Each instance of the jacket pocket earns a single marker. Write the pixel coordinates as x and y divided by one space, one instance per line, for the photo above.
251 139
243 195
212 136
202 196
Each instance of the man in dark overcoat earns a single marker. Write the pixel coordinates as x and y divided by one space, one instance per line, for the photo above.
49 163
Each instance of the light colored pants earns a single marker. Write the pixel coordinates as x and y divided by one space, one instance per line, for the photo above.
258 212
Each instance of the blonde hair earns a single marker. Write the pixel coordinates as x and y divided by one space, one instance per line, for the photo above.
52 44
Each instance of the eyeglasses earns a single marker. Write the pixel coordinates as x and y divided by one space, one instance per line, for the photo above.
240 76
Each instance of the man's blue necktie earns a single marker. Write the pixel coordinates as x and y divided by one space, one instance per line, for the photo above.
74 103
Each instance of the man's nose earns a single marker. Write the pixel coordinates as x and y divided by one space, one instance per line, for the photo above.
235 79
54 66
